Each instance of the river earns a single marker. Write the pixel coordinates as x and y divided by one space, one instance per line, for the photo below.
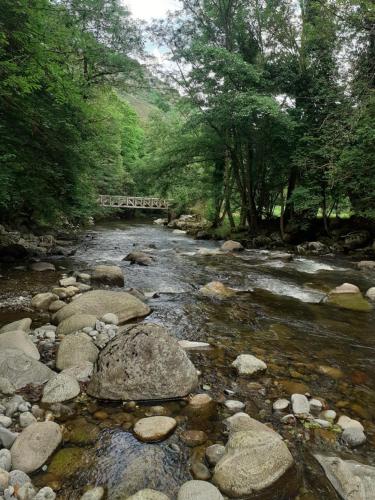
276 315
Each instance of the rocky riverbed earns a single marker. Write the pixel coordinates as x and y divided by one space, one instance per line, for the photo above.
153 366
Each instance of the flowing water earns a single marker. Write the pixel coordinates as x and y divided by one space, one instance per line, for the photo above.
276 315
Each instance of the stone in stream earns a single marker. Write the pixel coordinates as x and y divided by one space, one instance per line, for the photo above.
300 405
199 490
60 388
140 258
353 437
75 323
188 345
214 453
247 364
193 438
41 267
347 423
21 324
255 461
366 265
21 370
370 294
234 406
64 282
21 341
216 289
100 302
348 296
56 306
76 349
280 405
352 480
143 363
35 445
153 429
148 495
42 301
96 493
200 401
232 246
108 275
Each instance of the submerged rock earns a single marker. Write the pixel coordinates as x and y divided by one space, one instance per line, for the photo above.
21 370
217 290
348 296
108 275
100 302
35 445
143 363
352 480
256 459
152 429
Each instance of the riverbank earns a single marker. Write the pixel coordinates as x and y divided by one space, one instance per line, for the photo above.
273 312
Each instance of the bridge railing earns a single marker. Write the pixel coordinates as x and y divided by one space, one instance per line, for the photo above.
143 202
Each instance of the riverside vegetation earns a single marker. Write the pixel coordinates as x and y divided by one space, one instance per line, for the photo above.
135 360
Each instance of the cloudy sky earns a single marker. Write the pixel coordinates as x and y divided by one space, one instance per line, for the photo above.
148 9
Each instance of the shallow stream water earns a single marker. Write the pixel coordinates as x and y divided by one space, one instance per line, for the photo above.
276 315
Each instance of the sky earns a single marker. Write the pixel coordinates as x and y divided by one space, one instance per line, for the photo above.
148 9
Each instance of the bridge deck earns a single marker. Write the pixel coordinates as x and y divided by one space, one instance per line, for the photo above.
112 201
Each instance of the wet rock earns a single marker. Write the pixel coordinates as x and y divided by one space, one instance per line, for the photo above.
7 437
193 438
75 323
45 493
199 490
143 363
200 471
21 370
247 365
140 258
75 349
352 480
22 324
41 267
81 432
353 437
94 494
280 405
108 275
200 401
255 459
21 341
330 371
217 290
234 406
71 281
5 460
214 453
35 445
82 372
348 296
60 388
348 423
6 387
153 429
110 319
291 387
100 302
232 246
42 301
300 405
148 495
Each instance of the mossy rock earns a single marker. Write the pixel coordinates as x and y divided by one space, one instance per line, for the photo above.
351 301
67 462
81 432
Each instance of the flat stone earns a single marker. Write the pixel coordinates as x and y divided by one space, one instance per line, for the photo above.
21 341
100 302
247 364
60 388
22 370
348 296
300 405
280 405
108 275
349 423
21 324
352 480
199 490
214 453
64 282
353 437
75 349
153 429
193 438
148 495
188 345
7 437
35 445
41 267
42 301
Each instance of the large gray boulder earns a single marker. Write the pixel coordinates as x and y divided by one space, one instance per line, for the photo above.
60 388
143 363
108 275
100 302
21 341
76 349
35 445
22 370
352 480
21 324
75 323
255 459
